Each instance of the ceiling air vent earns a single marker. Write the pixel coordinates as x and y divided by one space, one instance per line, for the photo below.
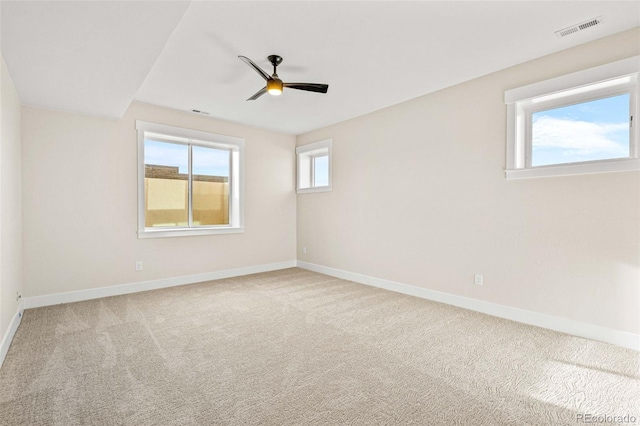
579 27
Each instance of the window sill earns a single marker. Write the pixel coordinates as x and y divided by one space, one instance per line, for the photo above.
188 232
316 189
607 166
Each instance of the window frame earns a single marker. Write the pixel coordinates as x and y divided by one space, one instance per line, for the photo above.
524 101
179 135
309 153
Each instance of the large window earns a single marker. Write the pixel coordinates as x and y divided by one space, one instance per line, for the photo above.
189 182
314 167
578 123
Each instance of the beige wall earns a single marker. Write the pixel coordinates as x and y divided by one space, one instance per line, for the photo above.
10 200
166 202
80 201
419 197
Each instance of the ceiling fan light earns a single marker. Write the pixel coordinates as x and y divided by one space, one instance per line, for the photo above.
274 87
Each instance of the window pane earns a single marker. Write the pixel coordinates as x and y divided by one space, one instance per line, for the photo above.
166 200
321 171
595 130
210 186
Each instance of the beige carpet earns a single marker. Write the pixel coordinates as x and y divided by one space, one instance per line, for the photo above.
294 347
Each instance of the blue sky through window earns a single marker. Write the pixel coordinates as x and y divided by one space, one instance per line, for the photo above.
210 161
321 169
206 161
594 130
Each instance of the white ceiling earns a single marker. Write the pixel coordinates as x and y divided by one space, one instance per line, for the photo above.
96 57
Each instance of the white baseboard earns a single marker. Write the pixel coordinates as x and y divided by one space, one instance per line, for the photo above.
563 325
11 331
116 290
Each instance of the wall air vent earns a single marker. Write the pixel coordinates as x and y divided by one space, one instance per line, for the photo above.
197 111
579 27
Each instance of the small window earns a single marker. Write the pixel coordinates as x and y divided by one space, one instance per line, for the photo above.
314 167
189 182
579 123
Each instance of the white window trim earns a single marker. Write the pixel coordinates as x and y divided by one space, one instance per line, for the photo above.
324 144
516 99
195 137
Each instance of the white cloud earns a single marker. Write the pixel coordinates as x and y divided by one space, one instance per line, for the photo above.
581 137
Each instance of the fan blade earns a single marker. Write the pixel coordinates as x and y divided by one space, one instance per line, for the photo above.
309 87
259 70
258 94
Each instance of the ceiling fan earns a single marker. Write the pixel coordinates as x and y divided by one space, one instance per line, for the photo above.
274 84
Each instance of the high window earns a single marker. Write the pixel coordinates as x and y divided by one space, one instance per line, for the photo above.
314 167
583 122
189 182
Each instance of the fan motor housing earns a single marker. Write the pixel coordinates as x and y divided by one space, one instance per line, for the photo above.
275 60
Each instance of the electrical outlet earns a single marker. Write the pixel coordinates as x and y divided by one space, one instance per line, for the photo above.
304 250
477 279
139 266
